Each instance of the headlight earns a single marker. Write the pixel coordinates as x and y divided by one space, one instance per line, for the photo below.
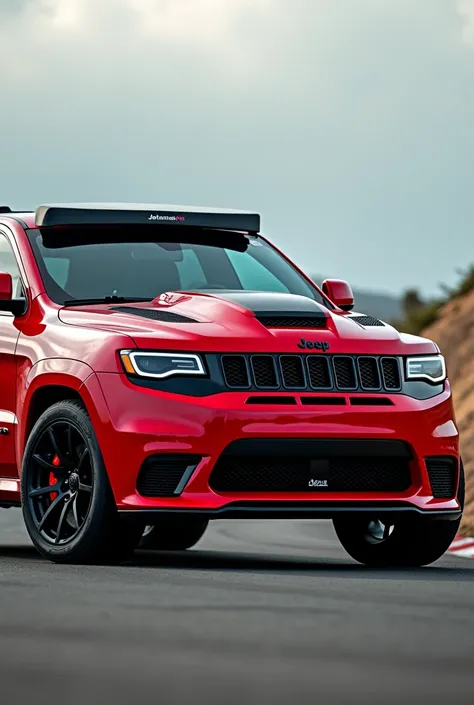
432 368
161 365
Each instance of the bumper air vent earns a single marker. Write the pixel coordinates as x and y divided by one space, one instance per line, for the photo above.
301 468
152 314
370 401
293 321
271 399
323 401
443 474
166 475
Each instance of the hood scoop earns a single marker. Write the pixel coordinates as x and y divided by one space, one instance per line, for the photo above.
153 314
276 310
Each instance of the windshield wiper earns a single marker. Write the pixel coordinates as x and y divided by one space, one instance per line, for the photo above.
105 300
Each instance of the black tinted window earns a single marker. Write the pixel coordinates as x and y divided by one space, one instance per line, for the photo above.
77 265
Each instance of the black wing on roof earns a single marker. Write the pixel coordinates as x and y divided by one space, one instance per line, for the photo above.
145 214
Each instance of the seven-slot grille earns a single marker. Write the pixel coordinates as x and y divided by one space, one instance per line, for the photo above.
312 372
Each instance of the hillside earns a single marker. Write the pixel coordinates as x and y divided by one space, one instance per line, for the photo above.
454 332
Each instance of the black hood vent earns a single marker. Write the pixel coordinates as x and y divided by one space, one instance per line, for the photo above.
293 321
153 314
366 321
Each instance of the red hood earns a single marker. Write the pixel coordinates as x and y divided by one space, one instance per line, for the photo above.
228 321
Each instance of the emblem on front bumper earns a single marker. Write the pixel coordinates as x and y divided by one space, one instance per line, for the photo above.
318 483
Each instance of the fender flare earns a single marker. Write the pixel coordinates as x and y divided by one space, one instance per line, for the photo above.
59 372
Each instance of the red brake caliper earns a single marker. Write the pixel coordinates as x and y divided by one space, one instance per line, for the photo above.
52 477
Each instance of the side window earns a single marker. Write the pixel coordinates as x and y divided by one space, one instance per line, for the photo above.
253 275
191 274
9 264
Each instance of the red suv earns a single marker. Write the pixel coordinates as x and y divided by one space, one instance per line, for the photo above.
164 366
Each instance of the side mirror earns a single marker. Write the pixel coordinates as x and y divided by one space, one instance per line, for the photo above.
6 286
7 303
340 293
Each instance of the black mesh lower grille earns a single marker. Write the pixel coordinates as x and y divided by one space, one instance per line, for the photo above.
162 475
277 474
443 472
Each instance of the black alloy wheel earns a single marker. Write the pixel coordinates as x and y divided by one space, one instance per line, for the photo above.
67 501
60 482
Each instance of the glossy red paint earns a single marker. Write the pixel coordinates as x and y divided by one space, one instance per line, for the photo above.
76 349
339 292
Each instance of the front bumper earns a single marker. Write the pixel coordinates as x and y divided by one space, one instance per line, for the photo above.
141 423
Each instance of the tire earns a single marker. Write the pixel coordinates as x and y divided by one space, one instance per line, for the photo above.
173 534
71 516
413 542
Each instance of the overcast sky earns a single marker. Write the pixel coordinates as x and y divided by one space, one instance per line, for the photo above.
349 124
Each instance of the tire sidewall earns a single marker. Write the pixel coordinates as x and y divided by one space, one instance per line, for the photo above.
100 508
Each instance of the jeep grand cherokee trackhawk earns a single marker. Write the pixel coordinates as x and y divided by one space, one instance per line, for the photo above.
164 366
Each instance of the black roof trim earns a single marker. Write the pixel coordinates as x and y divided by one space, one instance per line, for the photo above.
80 214
5 209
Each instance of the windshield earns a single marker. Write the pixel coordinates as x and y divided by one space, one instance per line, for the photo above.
133 264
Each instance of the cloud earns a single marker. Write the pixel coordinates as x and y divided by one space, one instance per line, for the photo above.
188 20
348 124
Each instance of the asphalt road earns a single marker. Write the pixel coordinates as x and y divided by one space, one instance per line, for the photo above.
259 612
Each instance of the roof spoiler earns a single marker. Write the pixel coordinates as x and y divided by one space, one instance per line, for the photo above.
5 209
97 214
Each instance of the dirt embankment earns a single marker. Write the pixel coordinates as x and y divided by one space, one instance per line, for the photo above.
454 333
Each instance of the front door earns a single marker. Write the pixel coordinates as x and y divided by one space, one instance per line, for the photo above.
8 374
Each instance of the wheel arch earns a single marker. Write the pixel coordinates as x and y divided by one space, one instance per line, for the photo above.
44 388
